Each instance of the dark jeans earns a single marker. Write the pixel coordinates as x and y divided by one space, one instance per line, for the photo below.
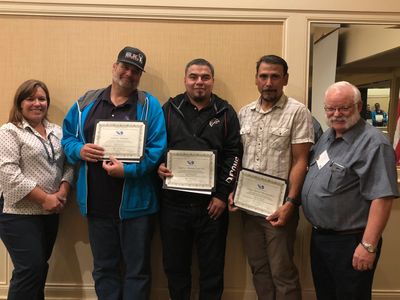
29 240
180 227
333 274
121 257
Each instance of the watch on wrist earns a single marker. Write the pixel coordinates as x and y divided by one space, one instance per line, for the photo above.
293 201
369 247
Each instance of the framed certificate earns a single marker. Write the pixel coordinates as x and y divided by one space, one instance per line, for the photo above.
259 193
193 171
125 140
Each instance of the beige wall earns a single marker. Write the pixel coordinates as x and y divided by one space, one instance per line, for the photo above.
74 54
71 47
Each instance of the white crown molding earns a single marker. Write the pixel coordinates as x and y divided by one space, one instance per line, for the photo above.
137 12
277 5
120 9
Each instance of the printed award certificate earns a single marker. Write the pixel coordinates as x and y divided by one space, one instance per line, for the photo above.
125 140
193 171
259 193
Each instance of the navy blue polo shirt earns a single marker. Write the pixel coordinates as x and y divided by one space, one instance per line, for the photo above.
104 191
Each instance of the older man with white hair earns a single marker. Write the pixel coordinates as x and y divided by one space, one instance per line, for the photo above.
347 197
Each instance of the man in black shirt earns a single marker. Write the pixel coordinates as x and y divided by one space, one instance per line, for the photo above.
198 120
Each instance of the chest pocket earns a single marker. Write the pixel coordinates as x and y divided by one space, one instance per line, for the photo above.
245 132
337 179
280 138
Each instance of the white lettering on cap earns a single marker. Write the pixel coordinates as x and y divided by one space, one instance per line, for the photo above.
133 56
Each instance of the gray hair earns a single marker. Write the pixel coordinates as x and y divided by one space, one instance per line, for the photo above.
342 85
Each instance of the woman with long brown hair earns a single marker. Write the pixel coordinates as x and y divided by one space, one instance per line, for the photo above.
34 185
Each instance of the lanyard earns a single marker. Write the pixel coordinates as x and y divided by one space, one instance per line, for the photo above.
51 159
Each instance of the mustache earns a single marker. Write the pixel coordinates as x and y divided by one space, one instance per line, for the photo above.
337 119
269 90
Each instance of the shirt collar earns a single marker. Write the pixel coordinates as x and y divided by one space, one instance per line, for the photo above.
47 125
106 96
351 134
209 105
279 104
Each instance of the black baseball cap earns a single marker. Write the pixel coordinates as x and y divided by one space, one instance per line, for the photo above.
132 56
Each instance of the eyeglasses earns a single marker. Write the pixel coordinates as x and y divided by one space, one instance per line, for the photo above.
341 109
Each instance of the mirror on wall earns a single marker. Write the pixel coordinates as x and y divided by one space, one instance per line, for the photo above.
367 55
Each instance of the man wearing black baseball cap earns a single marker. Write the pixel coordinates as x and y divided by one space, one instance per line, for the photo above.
133 56
119 199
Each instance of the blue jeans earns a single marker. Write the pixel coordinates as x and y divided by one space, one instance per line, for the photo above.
181 226
121 257
29 240
333 274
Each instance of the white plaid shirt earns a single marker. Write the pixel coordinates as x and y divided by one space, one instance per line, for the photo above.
267 136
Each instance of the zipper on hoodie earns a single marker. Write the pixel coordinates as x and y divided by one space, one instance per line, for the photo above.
80 131
80 123
145 108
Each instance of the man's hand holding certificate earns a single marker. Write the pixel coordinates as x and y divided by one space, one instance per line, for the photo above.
259 193
124 140
190 171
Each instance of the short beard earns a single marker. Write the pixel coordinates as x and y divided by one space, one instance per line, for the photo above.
123 85
270 99
200 99
350 121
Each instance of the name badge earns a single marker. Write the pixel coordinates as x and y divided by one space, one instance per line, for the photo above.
322 159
